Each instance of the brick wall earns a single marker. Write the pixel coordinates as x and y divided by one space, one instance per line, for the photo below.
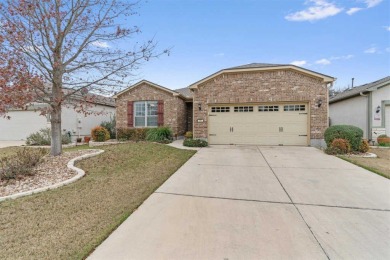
263 86
174 106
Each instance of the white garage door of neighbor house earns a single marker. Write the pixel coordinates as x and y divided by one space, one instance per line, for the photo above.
263 124
387 119
21 124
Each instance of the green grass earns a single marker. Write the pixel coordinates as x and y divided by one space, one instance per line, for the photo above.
365 166
69 222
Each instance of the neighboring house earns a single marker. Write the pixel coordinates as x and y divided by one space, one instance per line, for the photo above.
366 106
263 104
23 122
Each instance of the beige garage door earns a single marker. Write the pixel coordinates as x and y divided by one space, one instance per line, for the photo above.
263 124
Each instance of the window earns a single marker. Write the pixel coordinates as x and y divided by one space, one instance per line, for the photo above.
294 108
243 109
268 108
145 113
220 109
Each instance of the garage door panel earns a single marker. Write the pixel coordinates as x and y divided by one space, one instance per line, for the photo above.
21 124
259 127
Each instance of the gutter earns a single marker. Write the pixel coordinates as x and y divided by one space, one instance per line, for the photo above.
368 111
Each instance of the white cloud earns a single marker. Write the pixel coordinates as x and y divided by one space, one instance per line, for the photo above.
320 9
387 28
372 3
345 57
101 44
388 49
371 50
221 54
353 10
323 62
299 62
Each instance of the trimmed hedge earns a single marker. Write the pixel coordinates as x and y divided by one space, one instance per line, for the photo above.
194 143
131 134
350 133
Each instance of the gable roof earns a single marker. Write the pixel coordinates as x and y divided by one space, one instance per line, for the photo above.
150 84
263 66
353 92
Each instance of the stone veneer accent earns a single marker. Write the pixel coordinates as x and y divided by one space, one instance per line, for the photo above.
263 86
174 106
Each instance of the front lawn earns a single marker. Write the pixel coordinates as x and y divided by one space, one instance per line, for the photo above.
380 165
69 222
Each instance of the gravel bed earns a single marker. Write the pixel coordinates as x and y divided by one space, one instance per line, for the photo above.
50 171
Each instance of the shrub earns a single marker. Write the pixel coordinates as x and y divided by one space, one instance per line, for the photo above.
195 143
159 134
100 134
188 135
22 164
132 134
332 151
341 145
383 140
348 132
364 146
140 134
110 126
43 137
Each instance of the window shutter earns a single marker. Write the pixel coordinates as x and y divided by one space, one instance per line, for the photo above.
160 113
130 109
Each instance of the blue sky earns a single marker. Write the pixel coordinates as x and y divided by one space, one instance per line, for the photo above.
340 38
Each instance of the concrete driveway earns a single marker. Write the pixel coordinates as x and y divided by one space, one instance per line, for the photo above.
248 202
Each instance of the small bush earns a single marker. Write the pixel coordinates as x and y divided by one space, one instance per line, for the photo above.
348 132
140 134
364 146
110 126
100 134
188 135
43 137
159 134
22 164
332 151
124 134
341 145
383 140
195 143
132 134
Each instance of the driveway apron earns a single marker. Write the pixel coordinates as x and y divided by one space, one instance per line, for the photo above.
250 202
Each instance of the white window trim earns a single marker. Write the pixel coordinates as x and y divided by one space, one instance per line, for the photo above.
146 113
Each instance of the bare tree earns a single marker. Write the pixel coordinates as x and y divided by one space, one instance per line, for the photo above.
73 47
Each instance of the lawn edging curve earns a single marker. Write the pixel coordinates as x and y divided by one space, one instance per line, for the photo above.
70 165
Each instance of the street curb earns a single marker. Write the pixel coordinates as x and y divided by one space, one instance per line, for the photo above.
70 165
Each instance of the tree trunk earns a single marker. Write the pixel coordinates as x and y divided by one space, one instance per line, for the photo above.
56 142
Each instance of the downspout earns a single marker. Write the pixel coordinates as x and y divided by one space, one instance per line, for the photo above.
369 109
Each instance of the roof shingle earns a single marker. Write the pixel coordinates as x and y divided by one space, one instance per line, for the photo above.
357 90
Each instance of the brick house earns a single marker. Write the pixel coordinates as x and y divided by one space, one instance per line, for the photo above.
264 104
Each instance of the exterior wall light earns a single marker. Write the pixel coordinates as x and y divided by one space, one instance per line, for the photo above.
378 109
200 106
319 102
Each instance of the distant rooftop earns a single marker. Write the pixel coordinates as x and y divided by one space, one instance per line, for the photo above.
185 92
357 90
